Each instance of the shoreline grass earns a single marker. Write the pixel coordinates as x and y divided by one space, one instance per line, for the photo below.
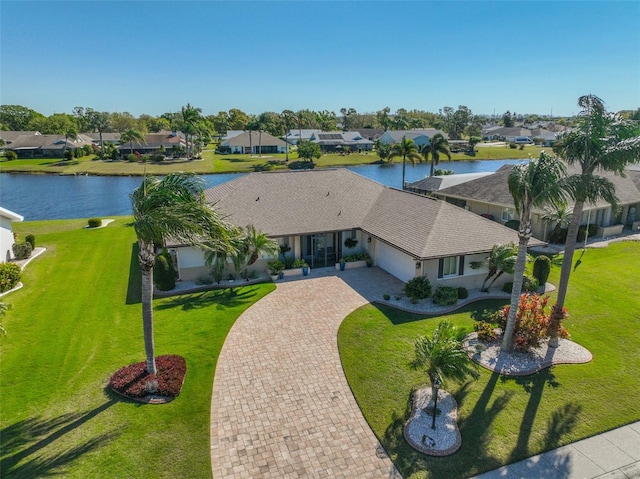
506 419
78 320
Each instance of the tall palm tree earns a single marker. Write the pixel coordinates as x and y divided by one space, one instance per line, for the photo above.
407 150
190 117
289 120
131 136
601 141
501 259
437 144
70 133
442 356
535 184
171 207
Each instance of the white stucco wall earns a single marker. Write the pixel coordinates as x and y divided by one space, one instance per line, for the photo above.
394 261
6 234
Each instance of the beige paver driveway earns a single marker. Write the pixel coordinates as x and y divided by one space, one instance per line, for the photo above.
281 406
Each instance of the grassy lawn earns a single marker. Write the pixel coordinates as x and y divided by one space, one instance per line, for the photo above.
76 321
214 163
503 420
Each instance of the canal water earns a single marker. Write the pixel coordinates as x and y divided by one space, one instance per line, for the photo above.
43 197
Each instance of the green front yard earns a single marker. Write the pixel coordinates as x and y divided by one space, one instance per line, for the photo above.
76 321
214 163
503 420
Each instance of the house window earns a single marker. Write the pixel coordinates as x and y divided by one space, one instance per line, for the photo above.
507 214
451 266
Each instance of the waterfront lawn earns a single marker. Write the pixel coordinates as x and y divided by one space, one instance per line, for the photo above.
76 321
503 420
215 163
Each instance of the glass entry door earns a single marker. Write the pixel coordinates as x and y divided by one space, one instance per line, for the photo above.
319 250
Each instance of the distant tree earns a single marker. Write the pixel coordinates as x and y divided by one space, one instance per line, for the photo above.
70 133
382 118
455 122
507 119
123 121
437 145
309 150
347 116
156 124
407 150
132 136
98 121
326 120
473 141
383 150
17 117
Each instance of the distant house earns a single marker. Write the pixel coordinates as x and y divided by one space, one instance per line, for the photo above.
419 136
543 137
489 196
431 184
507 134
51 146
6 233
339 141
295 136
10 136
113 138
311 213
255 143
155 142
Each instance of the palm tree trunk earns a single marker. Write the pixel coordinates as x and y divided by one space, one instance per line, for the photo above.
404 162
494 280
131 147
146 257
518 277
433 165
101 145
565 272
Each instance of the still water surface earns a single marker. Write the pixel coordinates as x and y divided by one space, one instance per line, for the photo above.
43 197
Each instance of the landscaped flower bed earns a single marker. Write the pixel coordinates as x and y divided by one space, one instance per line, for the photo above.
134 382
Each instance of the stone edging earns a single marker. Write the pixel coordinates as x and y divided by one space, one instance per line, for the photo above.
151 399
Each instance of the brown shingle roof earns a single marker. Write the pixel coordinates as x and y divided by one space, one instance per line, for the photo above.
305 202
243 140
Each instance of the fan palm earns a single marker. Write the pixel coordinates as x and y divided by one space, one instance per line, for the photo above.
535 184
172 207
407 150
601 141
501 259
131 136
442 356
437 145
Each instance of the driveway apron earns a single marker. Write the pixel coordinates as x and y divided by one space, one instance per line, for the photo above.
281 405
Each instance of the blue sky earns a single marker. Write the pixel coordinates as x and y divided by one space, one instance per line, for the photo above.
153 57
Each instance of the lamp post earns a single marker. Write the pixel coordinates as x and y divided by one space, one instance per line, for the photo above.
436 387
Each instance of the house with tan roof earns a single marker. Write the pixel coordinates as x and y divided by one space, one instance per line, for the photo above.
340 141
254 143
419 136
51 146
312 212
489 196
156 142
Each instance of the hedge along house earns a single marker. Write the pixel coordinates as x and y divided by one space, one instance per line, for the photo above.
489 196
312 212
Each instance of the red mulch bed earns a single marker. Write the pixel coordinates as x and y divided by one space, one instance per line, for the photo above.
134 382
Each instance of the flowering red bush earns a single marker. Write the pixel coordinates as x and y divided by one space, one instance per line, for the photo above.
134 381
533 322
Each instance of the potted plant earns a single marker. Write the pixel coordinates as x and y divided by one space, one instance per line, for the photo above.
342 263
301 263
276 267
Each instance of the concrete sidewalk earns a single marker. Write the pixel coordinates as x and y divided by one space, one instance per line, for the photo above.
612 455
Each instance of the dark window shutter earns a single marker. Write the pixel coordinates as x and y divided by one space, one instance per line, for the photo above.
461 267
440 267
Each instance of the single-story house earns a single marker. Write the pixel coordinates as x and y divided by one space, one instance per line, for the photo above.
113 138
506 133
10 136
431 184
6 233
419 136
154 142
338 141
310 213
297 135
255 143
51 146
489 196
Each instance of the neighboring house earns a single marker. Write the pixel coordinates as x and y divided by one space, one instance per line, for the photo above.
507 134
113 138
489 195
51 146
312 212
431 184
154 142
295 136
255 143
6 233
339 141
231 133
544 137
10 136
371 133
419 136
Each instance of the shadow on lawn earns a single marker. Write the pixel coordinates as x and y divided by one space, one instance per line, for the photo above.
222 298
134 286
475 309
40 433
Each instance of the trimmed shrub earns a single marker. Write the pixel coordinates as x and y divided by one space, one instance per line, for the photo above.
463 293
31 240
386 297
485 331
541 269
22 250
9 276
131 158
11 155
529 284
513 224
445 296
418 288
164 275
94 222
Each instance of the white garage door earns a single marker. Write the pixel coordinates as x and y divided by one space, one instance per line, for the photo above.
399 264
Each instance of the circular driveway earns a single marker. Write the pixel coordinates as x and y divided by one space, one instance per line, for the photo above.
281 405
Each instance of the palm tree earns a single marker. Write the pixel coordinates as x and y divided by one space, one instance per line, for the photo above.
258 243
69 133
437 144
502 259
171 207
535 184
131 136
442 356
190 116
601 141
559 215
408 150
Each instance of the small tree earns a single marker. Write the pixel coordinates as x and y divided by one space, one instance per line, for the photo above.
11 155
442 356
308 150
541 269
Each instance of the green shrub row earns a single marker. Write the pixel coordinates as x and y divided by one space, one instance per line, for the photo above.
22 250
9 276
445 296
